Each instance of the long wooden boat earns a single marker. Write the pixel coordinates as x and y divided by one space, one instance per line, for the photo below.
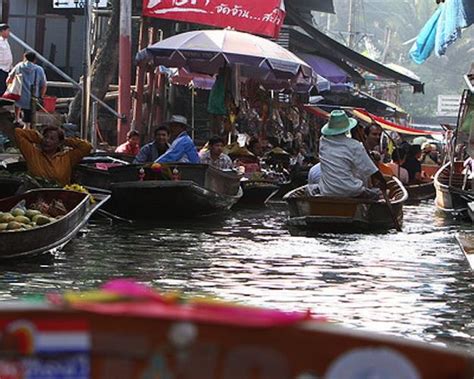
201 190
452 199
257 192
420 192
52 236
154 340
466 242
324 213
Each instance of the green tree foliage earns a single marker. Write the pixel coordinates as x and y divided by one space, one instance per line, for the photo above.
404 18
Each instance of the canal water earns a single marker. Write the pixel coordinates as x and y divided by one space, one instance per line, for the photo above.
414 284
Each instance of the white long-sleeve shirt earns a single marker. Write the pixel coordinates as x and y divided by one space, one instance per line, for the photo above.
6 57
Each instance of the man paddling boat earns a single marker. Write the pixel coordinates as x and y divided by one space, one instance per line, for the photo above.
346 168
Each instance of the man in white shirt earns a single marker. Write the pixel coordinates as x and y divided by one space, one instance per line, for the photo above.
346 168
6 57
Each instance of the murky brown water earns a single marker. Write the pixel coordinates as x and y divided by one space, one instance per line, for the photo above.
415 283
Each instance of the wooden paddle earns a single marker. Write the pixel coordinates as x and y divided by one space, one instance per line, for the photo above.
392 213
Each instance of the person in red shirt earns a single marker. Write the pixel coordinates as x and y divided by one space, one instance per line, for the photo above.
132 146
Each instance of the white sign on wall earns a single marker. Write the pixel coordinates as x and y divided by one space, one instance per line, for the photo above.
68 4
448 105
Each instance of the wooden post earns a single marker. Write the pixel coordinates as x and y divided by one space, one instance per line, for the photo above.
5 11
140 79
86 79
125 66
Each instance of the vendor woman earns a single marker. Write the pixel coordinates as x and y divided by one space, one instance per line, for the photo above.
49 155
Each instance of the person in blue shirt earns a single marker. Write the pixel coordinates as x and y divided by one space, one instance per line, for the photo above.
182 149
33 77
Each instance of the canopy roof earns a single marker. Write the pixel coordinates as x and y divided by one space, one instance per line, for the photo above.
322 42
369 118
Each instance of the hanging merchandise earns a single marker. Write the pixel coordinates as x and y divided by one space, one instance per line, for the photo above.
216 104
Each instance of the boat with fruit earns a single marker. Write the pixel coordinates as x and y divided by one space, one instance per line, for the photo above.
43 220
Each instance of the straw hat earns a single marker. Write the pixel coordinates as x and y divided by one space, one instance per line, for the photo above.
339 123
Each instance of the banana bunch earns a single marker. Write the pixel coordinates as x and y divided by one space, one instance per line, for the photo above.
78 188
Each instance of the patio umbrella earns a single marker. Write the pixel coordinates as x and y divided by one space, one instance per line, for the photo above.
207 51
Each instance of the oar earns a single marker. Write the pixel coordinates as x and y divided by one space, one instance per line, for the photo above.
392 213
113 217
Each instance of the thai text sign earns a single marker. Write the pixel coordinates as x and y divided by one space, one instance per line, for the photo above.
256 17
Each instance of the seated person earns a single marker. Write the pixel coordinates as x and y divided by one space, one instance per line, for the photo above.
214 156
345 165
398 159
412 164
383 167
132 146
182 149
151 151
430 155
49 155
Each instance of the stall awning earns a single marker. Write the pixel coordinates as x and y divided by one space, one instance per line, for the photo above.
369 118
323 43
326 68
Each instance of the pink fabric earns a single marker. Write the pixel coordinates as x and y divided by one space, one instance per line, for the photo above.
106 166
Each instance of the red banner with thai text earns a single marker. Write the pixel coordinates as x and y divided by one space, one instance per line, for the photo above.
252 16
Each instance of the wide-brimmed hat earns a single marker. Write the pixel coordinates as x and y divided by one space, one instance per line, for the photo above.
339 123
176 119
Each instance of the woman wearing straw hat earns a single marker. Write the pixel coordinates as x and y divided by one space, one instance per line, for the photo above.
346 168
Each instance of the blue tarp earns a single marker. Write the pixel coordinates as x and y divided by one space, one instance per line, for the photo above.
443 29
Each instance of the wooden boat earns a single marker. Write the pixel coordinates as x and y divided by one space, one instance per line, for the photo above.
466 242
257 192
452 200
420 192
143 340
323 213
201 190
49 237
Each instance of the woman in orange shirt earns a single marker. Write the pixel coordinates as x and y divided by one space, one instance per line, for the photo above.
50 155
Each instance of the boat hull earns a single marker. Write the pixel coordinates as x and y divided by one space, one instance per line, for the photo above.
336 214
167 199
133 345
49 237
420 192
201 190
257 192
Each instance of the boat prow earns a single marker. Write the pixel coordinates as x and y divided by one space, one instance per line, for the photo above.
452 197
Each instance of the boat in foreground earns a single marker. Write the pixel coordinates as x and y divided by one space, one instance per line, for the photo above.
197 190
452 198
53 235
154 336
335 214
